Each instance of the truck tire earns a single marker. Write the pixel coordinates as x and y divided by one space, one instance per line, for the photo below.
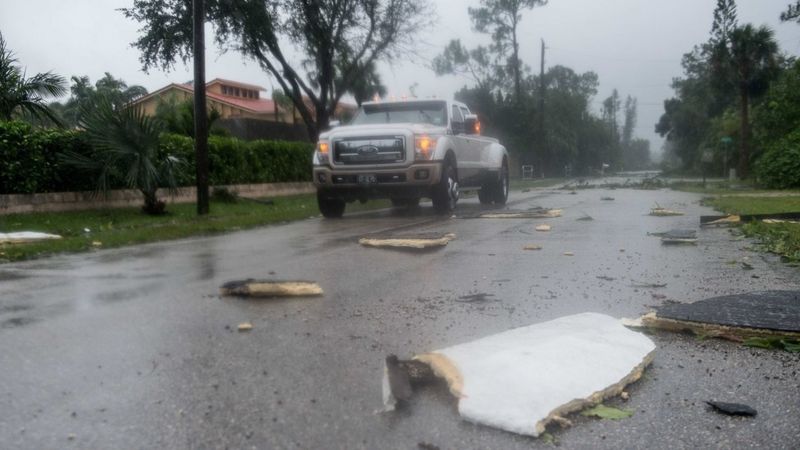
330 207
495 191
445 193
500 191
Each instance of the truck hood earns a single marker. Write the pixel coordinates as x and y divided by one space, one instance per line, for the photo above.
381 129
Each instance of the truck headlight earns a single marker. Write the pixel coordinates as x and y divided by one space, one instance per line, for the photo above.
424 145
323 152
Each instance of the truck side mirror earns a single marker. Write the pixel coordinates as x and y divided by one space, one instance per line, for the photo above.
472 125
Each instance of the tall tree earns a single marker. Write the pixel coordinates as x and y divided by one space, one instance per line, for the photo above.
26 95
501 18
475 63
84 93
753 64
792 13
341 37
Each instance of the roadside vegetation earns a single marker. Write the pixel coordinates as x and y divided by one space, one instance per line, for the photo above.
737 105
779 238
97 229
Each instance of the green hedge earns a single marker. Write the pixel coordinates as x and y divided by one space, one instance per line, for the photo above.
234 161
29 160
779 166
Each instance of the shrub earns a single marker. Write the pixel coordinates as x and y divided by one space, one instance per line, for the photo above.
779 166
234 161
29 160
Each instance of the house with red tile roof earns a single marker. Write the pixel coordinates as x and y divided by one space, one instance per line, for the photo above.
232 99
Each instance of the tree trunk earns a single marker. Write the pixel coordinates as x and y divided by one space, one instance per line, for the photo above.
151 204
744 150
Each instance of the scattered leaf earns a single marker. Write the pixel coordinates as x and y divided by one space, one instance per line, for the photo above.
569 254
532 247
246 326
607 412
543 227
733 409
790 345
548 438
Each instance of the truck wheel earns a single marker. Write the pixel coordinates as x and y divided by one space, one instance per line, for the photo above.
330 207
500 191
445 194
485 195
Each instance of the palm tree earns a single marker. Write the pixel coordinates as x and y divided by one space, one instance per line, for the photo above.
753 61
125 144
22 95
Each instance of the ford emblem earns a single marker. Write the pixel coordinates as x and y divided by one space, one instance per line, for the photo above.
367 150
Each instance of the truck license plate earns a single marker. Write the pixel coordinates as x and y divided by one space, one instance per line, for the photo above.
367 179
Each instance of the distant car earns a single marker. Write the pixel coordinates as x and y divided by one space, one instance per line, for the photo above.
406 150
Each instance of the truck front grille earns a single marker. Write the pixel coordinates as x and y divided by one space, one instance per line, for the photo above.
371 150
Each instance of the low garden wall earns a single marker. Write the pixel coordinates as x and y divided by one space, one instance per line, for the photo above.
76 201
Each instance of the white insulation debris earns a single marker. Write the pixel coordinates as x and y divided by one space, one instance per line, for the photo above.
522 379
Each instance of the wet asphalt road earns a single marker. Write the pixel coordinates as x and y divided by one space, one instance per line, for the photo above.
134 348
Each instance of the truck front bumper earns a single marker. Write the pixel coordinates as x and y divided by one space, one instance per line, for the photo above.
357 183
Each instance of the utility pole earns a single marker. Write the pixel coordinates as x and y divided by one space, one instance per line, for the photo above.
542 88
200 116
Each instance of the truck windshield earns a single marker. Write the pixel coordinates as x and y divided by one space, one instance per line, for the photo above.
433 113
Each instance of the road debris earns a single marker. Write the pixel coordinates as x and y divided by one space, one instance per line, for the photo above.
607 412
532 247
24 237
543 227
679 237
585 218
734 219
732 409
663 212
536 213
607 199
648 285
408 241
605 278
525 378
569 254
269 288
765 314
245 326
480 297
777 221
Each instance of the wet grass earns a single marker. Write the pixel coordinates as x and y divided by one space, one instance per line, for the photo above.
109 228
519 184
724 188
779 238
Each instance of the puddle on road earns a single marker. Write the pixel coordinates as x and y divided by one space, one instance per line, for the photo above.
6 309
17 322
12 275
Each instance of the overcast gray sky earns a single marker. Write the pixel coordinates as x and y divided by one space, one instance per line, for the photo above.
633 45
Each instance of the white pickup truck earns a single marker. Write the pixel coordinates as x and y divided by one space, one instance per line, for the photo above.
406 150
